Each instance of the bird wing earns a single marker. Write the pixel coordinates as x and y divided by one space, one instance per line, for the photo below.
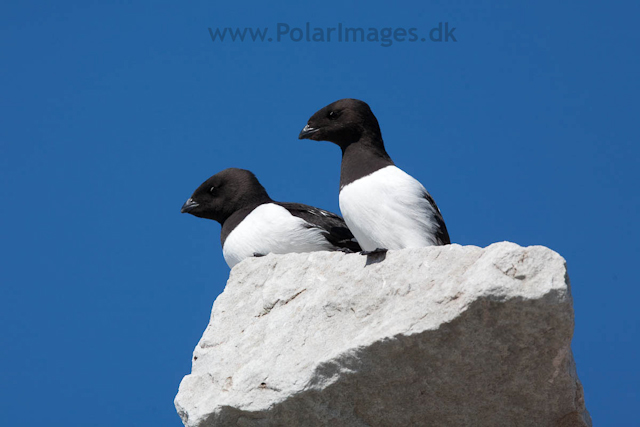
333 226
442 235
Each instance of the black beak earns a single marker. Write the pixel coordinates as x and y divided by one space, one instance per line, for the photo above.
188 206
306 131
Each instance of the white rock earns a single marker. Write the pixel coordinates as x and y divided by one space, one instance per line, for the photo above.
436 336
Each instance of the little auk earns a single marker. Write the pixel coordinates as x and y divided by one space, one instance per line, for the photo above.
383 206
255 225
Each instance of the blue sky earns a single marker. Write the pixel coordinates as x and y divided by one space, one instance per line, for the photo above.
525 129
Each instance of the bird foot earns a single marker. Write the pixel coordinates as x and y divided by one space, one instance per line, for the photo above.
375 251
345 250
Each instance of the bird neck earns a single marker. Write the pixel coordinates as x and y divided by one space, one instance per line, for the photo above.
245 202
362 158
230 222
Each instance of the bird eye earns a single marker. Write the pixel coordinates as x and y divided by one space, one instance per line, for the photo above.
212 190
333 115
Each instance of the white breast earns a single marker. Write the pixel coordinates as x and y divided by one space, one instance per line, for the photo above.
388 209
270 228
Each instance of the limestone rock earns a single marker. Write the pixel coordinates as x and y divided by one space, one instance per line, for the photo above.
439 336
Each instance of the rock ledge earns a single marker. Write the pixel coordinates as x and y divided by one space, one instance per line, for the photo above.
439 336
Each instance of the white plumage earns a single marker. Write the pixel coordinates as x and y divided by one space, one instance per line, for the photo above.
270 228
388 209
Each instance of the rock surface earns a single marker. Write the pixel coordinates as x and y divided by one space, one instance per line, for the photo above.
439 336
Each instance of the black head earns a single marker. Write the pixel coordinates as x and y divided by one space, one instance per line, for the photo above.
225 193
343 122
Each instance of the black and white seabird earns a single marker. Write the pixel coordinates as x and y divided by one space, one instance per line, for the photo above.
254 225
384 207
